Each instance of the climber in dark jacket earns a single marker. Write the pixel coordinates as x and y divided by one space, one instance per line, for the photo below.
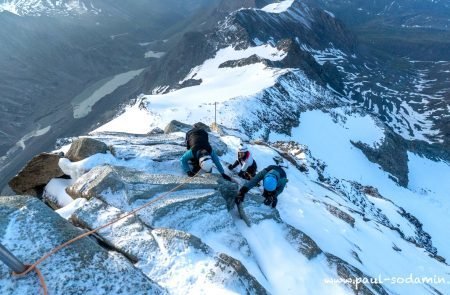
248 164
274 180
200 154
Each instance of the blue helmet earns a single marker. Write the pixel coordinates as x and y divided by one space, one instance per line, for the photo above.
270 182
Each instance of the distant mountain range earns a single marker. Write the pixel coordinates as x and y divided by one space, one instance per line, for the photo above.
55 61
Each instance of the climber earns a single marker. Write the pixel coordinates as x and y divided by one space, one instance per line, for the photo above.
274 180
248 165
200 154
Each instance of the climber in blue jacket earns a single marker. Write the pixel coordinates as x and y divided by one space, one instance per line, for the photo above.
274 181
200 154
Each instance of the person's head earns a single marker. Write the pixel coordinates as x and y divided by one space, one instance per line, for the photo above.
270 183
205 161
242 151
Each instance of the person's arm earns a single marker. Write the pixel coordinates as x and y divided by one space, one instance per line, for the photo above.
258 177
217 162
234 165
281 187
185 160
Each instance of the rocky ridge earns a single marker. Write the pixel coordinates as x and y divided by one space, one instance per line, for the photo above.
195 225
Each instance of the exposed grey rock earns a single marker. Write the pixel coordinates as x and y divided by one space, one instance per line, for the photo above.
421 238
304 244
348 272
123 138
218 145
156 249
176 126
36 174
391 155
122 185
159 153
95 182
340 214
303 60
256 212
191 82
228 264
156 130
85 147
29 229
245 61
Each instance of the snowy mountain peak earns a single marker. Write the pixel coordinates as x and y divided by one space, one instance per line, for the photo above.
46 7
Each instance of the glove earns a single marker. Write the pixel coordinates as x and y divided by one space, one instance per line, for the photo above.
241 174
230 167
274 202
226 177
190 174
268 200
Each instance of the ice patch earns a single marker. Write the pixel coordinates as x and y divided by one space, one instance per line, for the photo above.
34 133
67 211
83 103
154 54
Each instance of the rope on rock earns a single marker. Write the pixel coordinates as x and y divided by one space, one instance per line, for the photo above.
33 267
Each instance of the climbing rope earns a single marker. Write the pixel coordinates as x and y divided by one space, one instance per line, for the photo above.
33 267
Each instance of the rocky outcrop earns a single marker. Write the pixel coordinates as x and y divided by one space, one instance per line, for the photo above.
36 174
303 60
245 61
391 155
110 183
85 147
102 179
344 216
29 229
351 275
154 248
176 126
303 243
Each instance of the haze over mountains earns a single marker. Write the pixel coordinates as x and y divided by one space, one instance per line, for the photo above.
52 54
67 57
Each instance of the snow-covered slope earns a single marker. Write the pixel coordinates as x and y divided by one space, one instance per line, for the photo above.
41 7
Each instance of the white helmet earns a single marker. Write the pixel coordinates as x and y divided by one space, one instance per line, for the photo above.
243 148
206 163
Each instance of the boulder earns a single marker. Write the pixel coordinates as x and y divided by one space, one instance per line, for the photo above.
36 174
29 229
85 147
218 145
101 179
156 130
120 186
176 126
